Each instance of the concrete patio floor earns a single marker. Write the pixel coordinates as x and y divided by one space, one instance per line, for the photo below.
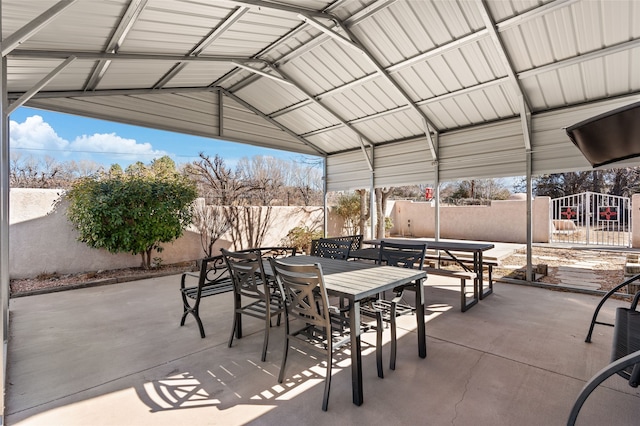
116 355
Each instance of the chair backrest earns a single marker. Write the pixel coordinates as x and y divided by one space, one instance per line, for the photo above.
247 272
212 269
276 252
304 292
409 255
355 240
332 248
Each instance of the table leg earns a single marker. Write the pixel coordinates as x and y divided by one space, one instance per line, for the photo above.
422 338
489 290
356 353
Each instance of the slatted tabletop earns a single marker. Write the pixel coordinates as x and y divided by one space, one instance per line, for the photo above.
358 280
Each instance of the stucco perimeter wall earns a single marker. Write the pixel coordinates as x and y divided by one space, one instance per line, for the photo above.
502 221
42 240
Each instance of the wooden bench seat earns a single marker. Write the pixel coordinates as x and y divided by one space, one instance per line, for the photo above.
463 276
212 279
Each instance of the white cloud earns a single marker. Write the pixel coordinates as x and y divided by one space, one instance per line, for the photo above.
34 133
113 144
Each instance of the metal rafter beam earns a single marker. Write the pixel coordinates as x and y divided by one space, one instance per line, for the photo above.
263 73
125 25
367 12
204 43
93 56
272 121
276 6
23 34
112 92
525 109
620 47
352 41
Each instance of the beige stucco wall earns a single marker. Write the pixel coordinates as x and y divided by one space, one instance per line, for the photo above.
42 240
502 221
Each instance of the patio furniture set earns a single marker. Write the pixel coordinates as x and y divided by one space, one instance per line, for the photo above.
324 297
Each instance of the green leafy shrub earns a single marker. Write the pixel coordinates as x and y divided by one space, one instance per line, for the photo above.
133 211
300 238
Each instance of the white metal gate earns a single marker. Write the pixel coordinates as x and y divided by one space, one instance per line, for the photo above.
591 218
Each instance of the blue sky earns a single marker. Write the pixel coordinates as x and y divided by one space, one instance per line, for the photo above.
40 133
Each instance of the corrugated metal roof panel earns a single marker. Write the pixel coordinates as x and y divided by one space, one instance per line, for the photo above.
401 125
84 26
438 55
347 171
404 163
337 139
142 111
494 150
199 74
270 96
139 74
371 98
307 119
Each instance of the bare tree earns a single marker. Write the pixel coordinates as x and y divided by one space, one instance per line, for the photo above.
29 172
219 183
250 225
265 176
212 222
307 180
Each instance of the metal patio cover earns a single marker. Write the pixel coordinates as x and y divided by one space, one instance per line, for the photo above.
390 91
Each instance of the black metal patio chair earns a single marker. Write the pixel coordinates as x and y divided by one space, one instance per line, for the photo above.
309 318
399 255
253 296
331 248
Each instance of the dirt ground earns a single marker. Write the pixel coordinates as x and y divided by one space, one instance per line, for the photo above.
608 265
55 282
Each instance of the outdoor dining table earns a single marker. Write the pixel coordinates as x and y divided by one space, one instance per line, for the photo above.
476 248
356 281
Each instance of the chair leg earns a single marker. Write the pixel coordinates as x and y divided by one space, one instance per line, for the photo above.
394 343
265 344
199 321
285 352
233 327
379 326
196 316
327 380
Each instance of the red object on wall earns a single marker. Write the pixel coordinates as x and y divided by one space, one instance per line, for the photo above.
428 194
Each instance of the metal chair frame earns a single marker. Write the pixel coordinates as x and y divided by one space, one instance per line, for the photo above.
213 278
253 296
400 255
307 304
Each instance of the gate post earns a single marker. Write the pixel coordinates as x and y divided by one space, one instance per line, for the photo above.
635 217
